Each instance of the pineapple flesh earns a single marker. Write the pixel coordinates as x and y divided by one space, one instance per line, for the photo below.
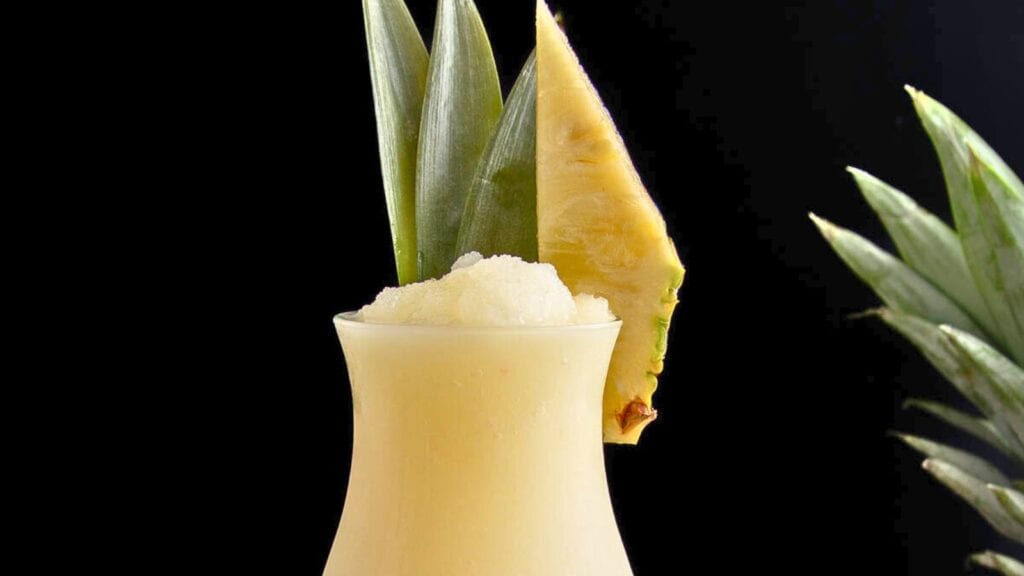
601 230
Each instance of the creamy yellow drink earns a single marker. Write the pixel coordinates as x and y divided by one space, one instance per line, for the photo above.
478 449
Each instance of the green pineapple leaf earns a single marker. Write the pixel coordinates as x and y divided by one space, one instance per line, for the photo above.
501 210
998 562
980 428
925 243
951 137
986 198
1011 500
997 248
976 493
1001 383
895 283
966 461
460 109
980 267
398 73
938 347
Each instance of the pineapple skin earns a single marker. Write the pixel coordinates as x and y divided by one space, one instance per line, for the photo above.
601 230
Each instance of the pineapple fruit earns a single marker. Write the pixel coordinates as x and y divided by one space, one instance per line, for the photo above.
958 296
543 175
601 230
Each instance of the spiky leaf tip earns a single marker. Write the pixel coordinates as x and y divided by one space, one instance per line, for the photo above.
977 494
895 283
998 380
986 198
925 243
999 562
969 463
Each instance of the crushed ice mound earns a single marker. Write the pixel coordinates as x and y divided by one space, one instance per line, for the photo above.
495 291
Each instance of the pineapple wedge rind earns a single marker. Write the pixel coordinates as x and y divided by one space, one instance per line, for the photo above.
398 73
600 229
460 110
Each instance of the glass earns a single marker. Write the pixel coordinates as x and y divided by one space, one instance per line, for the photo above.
477 451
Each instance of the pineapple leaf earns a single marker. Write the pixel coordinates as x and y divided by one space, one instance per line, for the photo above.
996 246
1001 383
501 210
895 283
1011 500
398 73
976 493
966 461
925 243
980 428
979 183
460 109
950 135
938 347
998 562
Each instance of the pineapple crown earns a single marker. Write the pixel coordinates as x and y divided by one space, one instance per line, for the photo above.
958 296
458 165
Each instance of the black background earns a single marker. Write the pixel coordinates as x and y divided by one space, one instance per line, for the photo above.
770 452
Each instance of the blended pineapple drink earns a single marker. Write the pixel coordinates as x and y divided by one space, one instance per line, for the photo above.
481 399
478 429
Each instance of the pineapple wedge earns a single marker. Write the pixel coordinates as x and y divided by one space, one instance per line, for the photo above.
600 229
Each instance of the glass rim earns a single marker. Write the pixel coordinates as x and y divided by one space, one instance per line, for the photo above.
348 319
